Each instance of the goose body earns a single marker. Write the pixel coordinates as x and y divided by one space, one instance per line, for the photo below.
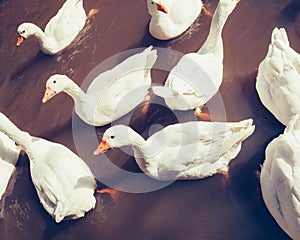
113 93
171 18
280 181
197 76
64 183
278 78
191 150
9 155
60 31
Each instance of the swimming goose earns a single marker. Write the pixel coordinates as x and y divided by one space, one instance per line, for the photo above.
64 183
278 78
171 18
190 150
60 31
280 180
112 94
197 76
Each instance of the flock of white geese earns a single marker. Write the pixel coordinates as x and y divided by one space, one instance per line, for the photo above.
191 150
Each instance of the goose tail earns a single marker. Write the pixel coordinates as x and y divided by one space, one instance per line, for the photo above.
173 99
232 143
279 34
236 135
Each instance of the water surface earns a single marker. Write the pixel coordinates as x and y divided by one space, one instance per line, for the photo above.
214 208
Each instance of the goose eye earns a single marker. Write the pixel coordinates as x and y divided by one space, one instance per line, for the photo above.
112 137
152 2
23 32
54 81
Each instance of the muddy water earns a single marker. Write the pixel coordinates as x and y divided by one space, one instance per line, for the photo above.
213 208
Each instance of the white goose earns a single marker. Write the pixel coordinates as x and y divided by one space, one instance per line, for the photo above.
64 183
197 76
171 18
280 180
191 150
60 31
9 155
278 78
113 93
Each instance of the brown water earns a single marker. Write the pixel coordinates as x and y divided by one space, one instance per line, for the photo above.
213 208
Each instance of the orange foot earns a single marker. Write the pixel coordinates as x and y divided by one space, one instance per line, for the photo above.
92 12
257 174
206 11
146 106
19 148
201 115
112 192
225 175
224 172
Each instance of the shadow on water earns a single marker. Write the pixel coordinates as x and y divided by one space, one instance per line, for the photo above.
245 194
261 115
40 58
53 228
244 182
291 11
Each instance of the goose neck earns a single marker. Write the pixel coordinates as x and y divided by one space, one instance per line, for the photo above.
21 138
137 141
214 43
75 92
39 34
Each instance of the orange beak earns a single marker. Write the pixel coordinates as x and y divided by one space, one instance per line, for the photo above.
48 95
20 40
103 146
161 7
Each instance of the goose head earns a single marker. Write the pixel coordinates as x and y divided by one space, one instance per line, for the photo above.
25 30
155 6
54 85
115 137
